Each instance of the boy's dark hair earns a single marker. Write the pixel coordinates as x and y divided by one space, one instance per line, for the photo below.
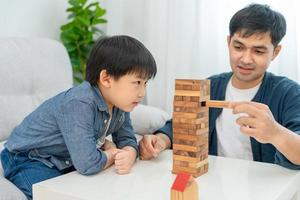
119 55
257 18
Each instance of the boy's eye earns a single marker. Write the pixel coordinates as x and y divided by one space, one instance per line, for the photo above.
137 82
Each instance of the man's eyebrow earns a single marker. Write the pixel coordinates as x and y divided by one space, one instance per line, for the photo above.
236 41
263 47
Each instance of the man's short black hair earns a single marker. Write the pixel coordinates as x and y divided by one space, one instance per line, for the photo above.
257 18
119 55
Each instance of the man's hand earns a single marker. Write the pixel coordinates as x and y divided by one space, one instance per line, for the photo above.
259 124
151 145
125 159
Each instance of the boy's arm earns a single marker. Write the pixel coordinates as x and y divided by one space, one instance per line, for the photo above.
76 124
125 159
125 135
128 149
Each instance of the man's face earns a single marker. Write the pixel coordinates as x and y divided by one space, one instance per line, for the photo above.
250 57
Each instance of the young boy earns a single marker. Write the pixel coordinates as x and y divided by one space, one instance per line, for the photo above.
67 132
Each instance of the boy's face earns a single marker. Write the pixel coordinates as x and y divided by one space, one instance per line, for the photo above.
250 57
126 92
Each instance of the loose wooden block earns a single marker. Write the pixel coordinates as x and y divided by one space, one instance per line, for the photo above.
184 188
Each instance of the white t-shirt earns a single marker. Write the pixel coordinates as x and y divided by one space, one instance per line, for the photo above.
231 142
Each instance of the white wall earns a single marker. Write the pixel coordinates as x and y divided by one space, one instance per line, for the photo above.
33 18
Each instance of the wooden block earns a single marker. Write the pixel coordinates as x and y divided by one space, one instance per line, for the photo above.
180 163
184 188
187 93
201 141
186 158
190 98
187 126
190 154
185 148
190 131
188 137
216 104
202 121
198 164
193 171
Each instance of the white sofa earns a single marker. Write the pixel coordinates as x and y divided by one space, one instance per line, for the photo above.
33 70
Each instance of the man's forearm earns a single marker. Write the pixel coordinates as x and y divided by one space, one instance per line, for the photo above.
288 143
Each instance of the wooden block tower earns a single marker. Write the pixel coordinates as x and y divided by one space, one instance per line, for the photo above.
190 127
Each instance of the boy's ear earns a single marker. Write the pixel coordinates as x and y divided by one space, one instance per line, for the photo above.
105 79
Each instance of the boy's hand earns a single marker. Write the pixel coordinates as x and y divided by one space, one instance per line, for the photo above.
124 159
110 154
108 145
151 145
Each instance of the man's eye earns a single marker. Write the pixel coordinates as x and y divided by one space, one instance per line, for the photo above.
138 82
238 47
259 52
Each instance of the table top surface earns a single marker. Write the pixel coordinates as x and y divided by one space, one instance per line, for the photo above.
227 178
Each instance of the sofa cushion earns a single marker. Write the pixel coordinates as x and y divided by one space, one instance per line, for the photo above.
31 71
147 119
9 191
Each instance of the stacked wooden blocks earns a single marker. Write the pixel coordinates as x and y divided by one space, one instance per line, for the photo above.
190 127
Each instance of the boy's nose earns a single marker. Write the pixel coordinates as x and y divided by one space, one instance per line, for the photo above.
142 92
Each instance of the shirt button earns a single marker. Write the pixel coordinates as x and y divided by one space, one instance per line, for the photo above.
67 162
105 121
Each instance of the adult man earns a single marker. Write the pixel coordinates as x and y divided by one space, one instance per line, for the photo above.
269 128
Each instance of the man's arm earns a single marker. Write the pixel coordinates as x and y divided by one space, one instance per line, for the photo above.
261 125
151 145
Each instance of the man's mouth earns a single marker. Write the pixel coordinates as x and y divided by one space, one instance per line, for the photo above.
245 70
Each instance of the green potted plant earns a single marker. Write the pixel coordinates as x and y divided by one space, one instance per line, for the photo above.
78 34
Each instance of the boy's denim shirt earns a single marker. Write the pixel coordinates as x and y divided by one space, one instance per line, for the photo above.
63 131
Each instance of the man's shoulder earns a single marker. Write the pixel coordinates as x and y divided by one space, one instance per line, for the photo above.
220 78
280 82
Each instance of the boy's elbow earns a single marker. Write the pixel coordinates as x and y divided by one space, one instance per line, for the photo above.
87 171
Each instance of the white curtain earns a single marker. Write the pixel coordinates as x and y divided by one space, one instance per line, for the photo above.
188 38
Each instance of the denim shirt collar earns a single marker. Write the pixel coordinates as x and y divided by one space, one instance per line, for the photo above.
101 104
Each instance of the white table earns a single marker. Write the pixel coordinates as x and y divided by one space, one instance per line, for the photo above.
227 179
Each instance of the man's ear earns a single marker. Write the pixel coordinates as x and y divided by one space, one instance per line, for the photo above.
228 40
105 79
276 52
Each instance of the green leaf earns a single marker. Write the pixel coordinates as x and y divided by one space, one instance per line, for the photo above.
84 19
78 34
99 12
99 21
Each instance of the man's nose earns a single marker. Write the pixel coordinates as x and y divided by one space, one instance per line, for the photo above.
247 58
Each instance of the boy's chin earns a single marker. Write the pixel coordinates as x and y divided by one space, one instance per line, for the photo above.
128 108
